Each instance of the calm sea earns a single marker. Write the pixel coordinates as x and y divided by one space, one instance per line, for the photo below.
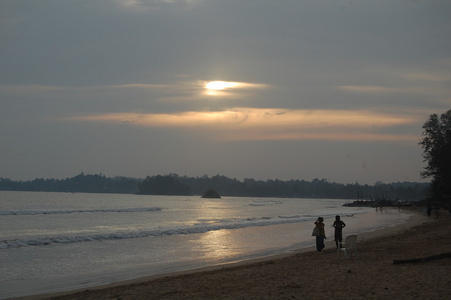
60 241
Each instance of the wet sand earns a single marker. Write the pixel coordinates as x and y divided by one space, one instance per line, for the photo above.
307 274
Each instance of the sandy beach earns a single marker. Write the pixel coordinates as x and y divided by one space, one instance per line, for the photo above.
307 274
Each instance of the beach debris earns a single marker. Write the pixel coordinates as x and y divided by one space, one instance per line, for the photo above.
423 259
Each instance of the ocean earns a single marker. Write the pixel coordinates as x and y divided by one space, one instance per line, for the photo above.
52 242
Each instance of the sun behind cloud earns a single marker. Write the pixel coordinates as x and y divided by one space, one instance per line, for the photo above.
220 85
222 88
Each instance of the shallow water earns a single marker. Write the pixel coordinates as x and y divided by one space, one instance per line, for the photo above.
60 241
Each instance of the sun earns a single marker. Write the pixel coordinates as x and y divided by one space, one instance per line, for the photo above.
220 85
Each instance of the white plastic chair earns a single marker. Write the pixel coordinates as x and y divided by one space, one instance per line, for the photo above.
350 246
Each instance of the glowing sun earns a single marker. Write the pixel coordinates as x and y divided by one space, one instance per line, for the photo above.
220 85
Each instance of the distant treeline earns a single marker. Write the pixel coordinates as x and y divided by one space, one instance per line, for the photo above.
79 184
174 184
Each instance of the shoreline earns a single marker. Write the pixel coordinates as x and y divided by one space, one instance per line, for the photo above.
158 283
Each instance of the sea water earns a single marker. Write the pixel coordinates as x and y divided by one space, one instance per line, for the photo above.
53 242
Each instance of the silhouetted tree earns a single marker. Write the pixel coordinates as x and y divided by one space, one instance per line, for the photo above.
163 185
174 184
436 143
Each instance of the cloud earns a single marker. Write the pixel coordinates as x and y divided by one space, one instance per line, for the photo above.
178 90
438 93
229 88
368 89
44 88
142 4
425 76
133 72
244 123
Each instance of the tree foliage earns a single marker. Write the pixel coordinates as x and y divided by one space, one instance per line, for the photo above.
81 183
163 185
436 144
174 184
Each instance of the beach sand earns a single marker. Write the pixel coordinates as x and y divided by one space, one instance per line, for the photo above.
308 274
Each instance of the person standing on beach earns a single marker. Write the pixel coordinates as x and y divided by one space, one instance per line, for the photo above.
338 225
320 234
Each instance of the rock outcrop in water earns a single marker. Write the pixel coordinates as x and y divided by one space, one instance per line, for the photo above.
211 194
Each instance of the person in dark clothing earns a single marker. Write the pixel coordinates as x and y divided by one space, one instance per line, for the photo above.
320 234
338 225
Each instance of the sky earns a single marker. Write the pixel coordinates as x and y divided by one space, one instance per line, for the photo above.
263 89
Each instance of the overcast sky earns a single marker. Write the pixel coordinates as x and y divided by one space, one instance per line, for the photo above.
264 89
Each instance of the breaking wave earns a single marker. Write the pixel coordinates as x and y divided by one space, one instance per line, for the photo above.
72 211
201 227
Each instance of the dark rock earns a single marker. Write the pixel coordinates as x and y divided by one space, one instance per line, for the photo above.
211 194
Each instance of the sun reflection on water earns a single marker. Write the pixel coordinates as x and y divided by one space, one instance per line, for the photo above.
217 244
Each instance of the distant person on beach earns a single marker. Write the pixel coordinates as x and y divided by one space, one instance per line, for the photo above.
338 225
437 211
320 234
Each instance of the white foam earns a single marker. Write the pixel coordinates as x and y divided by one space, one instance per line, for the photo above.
72 211
210 225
